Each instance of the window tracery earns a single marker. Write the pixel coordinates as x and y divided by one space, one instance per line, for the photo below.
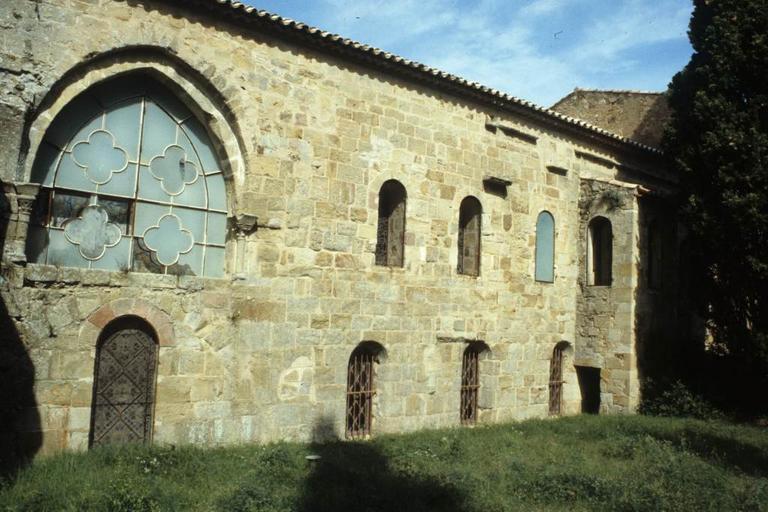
130 181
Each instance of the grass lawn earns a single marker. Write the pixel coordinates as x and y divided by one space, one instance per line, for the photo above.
576 463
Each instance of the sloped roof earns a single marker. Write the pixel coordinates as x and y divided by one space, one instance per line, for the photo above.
637 115
348 48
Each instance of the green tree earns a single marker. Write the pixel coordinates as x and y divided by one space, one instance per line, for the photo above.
718 140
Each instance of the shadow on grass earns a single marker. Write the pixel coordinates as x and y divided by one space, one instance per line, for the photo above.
357 476
730 454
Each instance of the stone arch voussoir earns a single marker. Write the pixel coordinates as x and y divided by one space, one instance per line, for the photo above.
159 321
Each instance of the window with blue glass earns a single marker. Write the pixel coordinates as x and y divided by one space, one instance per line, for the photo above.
545 248
130 182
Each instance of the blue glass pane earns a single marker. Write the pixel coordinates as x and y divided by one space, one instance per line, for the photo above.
85 132
118 213
214 261
191 263
63 253
122 183
168 102
217 228
189 150
71 175
159 132
66 206
44 169
217 193
37 243
192 220
83 111
149 187
124 122
147 215
545 248
202 144
115 258
112 92
193 194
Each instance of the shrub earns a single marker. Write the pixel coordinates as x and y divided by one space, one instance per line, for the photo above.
676 400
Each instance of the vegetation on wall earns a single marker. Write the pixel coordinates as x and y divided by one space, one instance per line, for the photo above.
718 140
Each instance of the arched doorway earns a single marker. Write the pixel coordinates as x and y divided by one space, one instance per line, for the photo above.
124 383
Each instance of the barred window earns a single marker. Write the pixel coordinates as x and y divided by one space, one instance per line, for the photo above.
556 380
360 389
131 182
600 252
390 241
470 385
470 218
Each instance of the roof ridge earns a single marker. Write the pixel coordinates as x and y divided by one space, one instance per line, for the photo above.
384 56
616 91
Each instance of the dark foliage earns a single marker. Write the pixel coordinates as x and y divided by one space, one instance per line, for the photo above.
718 140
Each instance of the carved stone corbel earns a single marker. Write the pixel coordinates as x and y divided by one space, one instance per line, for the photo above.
242 225
21 199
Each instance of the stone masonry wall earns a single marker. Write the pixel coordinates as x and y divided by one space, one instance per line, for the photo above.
307 140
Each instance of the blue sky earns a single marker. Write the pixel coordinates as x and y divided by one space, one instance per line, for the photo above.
538 50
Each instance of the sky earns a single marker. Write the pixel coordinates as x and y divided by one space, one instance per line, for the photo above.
537 50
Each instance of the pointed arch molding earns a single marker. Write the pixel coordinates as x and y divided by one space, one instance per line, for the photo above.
96 321
193 88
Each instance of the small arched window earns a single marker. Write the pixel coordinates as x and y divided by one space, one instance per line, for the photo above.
390 239
545 248
655 255
360 389
600 252
130 182
470 218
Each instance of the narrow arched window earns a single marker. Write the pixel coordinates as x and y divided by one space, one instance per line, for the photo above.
470 219
600 252
655 255
130 182
124 383
556 379
470 384
390 240
360 389
545 248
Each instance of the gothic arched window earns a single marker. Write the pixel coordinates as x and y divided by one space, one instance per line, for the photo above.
470 215
545 248
390 240
131 182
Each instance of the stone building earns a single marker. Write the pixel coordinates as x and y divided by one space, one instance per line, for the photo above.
222 226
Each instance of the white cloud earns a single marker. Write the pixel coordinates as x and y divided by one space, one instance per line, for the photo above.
535 49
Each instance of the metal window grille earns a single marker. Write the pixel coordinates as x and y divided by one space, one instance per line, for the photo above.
124 388
470 385
556 381
359 394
